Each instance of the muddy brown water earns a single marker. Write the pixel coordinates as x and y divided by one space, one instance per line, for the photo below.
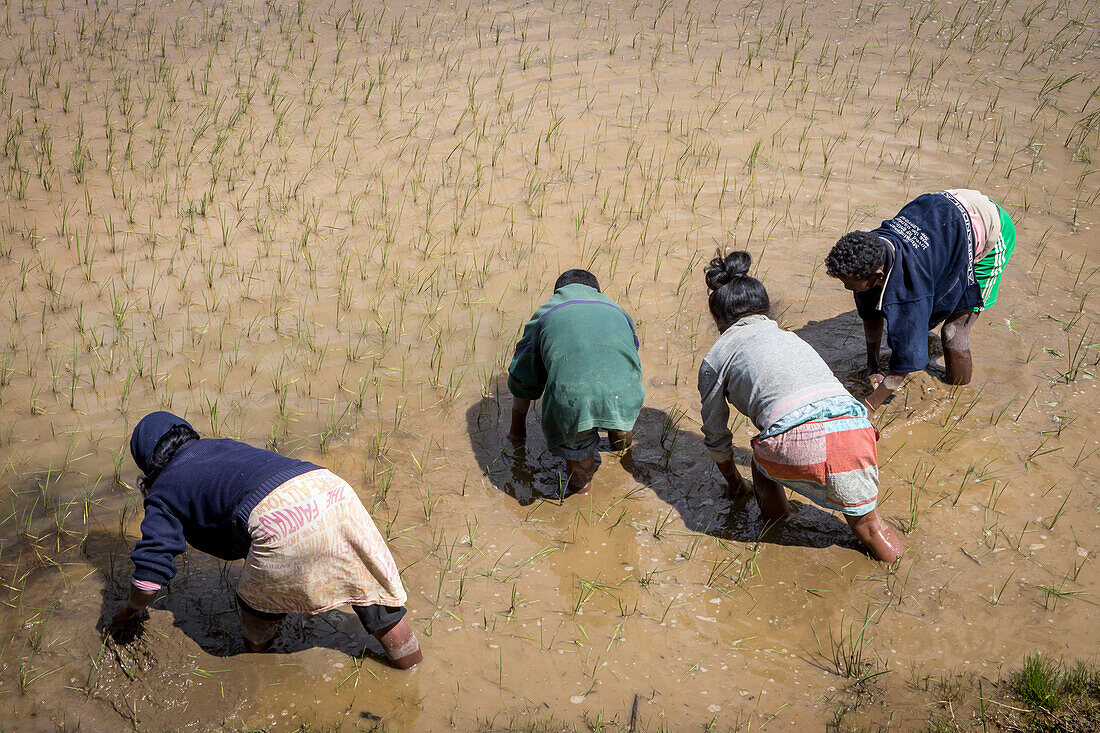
320 227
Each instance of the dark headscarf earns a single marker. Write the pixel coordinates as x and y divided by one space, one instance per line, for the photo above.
148 433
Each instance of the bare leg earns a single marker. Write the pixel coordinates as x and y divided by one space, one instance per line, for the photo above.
580 474
258 632
955 336
879 537
770 496
620 439
401 645
735 485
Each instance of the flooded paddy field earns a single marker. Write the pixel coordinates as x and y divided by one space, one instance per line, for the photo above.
320 227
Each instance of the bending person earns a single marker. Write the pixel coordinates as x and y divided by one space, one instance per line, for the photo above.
307 540
579 353
940 260
814 437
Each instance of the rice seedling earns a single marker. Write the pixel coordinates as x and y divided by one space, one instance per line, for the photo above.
848 654
719 567
306 225
998 594
1051 594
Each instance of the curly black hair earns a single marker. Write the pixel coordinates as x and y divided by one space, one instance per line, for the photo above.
166 449
856 255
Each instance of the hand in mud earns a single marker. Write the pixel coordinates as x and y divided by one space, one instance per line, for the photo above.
126 625
124 614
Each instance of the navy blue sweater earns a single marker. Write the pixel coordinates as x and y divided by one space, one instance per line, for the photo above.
203 498
930 276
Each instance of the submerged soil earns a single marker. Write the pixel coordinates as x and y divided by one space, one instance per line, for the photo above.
320 227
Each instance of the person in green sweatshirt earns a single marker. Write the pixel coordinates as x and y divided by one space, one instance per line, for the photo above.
579 353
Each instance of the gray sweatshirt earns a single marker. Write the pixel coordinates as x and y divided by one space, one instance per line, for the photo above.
763 371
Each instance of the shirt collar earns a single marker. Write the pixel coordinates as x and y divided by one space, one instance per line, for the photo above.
891 257
747 320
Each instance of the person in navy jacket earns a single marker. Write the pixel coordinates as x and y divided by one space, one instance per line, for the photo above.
939 261
306 539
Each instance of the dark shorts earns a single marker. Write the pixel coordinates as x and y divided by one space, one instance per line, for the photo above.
584 445
374 618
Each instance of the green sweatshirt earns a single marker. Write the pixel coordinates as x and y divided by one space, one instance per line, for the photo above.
579 352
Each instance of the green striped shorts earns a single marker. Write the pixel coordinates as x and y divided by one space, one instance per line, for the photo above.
991 267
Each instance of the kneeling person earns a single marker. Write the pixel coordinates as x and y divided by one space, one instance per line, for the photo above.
579 353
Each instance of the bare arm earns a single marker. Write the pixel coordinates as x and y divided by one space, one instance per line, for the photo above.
872 330
715 412
139 599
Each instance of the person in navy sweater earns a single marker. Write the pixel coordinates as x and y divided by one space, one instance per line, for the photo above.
940 260
308 543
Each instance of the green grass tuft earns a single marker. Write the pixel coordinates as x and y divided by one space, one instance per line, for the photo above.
1038 682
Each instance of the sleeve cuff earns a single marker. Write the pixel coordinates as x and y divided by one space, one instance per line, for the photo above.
148 586
523 391
149 575
902 368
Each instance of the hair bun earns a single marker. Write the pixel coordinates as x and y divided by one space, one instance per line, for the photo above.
722 270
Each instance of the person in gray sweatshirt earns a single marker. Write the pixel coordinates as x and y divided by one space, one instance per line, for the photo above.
814 437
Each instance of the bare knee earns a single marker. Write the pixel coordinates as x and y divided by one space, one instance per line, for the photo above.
955 336
771 498
955 333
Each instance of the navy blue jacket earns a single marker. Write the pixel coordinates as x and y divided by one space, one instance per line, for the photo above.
203 498
929 276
